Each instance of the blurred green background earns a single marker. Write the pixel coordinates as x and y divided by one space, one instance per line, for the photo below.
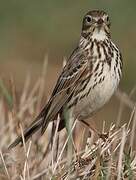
30 29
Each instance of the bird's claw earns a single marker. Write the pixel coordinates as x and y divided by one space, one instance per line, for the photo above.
104 136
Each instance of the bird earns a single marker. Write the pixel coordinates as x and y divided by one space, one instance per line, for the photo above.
88 80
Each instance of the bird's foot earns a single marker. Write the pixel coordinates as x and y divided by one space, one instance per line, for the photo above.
103 136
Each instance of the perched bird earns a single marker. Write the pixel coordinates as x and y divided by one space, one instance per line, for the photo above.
87 81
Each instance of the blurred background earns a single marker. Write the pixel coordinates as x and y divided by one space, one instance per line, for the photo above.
30 30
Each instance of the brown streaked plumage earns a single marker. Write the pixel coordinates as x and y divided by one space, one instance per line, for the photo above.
87 81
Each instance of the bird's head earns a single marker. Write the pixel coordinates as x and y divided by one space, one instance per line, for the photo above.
96 24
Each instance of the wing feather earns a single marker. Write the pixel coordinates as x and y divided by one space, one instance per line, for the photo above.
61 95
67 82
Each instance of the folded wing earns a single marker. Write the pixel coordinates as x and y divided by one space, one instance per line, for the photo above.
65 87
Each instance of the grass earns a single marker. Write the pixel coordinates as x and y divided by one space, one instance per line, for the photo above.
114 158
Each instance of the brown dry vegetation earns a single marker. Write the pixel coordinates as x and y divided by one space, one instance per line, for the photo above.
114 158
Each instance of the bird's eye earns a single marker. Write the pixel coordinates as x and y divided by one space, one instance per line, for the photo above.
107 18
88 19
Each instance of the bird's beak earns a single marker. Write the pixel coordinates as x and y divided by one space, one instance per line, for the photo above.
100 22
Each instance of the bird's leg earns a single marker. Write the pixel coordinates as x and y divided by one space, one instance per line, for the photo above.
103 136
90 127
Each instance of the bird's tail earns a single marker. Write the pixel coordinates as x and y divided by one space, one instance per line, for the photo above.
35 126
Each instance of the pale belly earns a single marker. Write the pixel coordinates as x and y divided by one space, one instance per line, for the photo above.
97 97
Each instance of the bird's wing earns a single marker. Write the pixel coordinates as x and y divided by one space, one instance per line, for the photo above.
65 86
